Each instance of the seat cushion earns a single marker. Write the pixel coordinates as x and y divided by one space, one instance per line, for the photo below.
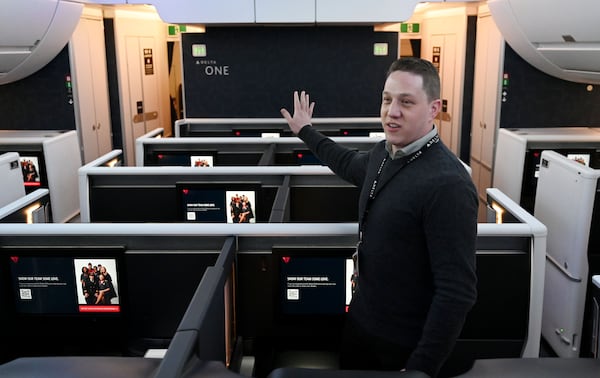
88 367
549 367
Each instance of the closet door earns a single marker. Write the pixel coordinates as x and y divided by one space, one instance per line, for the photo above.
489 53
90 87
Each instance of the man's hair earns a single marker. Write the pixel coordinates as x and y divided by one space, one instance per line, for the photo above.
423 68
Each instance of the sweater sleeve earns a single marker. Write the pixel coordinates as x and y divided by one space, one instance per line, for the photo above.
348 164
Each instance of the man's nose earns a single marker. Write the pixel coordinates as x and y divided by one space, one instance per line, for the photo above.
395 109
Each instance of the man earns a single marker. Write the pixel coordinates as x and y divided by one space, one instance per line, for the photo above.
90 289
417 228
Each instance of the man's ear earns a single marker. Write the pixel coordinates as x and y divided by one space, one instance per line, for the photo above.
435 107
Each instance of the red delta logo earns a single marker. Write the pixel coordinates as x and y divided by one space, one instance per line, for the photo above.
286 259
14 259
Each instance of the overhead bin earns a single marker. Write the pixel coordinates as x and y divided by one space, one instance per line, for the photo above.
281 11
32 33
559 38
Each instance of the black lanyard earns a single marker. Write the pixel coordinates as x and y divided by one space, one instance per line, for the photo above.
414 156
376 180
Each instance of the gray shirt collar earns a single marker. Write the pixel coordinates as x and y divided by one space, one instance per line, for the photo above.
412 147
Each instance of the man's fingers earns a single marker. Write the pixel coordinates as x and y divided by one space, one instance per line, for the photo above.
286 114
302 106
296 100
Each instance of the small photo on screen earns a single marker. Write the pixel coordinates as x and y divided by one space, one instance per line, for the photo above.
350 281
97 284
201 161
270 135
30 166
580 158
241 206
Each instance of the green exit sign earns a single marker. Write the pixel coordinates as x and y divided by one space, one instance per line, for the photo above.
176 29
409 27
380 49
198 50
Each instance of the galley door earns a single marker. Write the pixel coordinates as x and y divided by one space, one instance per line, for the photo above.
442 54
143 90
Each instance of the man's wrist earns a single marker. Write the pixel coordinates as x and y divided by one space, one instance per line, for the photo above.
302 128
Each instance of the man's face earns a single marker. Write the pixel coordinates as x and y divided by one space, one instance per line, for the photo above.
406 113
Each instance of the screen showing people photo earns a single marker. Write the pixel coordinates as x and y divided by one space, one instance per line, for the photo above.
49 285
202 161
270 135
30 166
218 203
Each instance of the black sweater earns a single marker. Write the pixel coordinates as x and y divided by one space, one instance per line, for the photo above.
417 277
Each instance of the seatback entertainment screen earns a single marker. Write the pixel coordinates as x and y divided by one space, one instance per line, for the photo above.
218 203
198 159
60 283
313 281
32 166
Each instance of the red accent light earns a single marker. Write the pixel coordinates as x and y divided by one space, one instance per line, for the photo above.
14 259
99 308
300 156
237 133
33 183
536 154
186 191
345 132
160 156
286 259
